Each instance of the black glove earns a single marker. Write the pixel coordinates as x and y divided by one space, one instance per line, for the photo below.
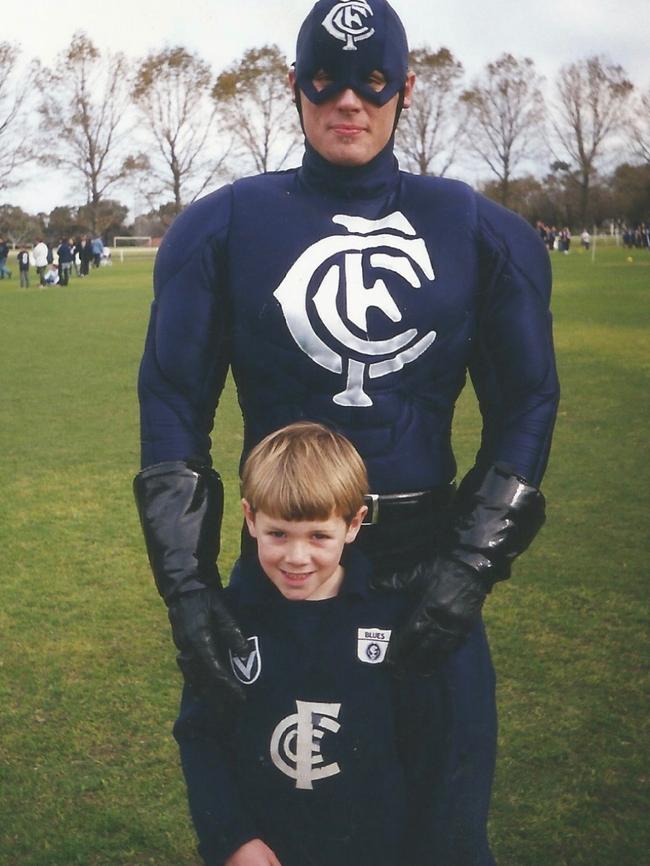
493 524
204 633
443 616
180 506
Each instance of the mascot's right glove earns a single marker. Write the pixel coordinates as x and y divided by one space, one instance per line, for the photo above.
181 506
446 609
494 523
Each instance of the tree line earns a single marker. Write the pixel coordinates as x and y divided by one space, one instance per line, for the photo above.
576 152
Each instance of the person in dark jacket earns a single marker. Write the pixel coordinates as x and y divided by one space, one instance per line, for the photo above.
4 255
23 267
349 292
65 256
85 252
325 764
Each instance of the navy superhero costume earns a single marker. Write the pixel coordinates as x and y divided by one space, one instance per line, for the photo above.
360 297
365 788
466 276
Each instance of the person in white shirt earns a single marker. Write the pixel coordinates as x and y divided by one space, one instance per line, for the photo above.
39 253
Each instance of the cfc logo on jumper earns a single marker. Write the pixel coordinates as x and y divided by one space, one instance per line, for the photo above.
296 743
346 22
372 644
325 301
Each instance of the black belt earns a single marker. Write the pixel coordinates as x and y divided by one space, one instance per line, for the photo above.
388 507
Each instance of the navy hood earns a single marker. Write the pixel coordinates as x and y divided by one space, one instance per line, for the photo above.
349 39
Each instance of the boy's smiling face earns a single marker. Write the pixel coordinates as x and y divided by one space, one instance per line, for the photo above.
302 558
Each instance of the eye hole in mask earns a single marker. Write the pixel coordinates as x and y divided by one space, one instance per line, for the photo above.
325 82
371 86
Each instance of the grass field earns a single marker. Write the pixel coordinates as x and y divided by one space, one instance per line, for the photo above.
88 684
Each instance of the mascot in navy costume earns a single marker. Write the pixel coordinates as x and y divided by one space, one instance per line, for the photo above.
359 296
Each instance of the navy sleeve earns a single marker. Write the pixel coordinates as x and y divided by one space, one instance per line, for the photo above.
513 363
222 824
186 353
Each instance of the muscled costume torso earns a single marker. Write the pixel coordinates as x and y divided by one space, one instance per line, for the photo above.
357 297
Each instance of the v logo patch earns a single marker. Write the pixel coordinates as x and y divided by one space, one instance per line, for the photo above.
248 668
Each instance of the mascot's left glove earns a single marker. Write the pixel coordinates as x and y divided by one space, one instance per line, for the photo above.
494 522
181 506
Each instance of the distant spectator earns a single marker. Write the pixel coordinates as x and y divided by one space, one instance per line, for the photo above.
641 236
23 267
85 255
585 239
564 240
51 275
40 259
65 255
97 246
551 235
76 260
4 255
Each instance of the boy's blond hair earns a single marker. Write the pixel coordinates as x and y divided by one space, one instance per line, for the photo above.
305 471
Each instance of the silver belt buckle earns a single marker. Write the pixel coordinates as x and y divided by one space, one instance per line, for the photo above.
372 515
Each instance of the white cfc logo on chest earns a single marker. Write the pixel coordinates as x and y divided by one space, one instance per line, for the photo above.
296 743
338 302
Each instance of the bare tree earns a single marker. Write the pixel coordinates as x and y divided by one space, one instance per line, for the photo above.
14 93
84 99
506 116
430 131
172 91
255 104
592 96
641 127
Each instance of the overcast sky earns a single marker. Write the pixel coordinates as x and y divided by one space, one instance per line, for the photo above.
551 32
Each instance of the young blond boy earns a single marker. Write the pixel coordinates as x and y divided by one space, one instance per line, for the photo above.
325 764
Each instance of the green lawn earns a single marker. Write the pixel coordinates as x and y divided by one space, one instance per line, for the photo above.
88 684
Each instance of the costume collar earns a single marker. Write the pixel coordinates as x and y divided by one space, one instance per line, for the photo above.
375 178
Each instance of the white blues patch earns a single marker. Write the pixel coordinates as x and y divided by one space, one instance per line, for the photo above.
372 644
247 668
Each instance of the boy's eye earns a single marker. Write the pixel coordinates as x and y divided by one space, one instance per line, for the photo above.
321 536
276 533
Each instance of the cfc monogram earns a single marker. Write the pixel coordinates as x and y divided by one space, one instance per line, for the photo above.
345 22
296 743
312 304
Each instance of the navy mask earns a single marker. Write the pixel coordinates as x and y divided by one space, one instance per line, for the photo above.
348 40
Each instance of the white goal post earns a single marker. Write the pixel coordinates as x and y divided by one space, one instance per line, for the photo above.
132 241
